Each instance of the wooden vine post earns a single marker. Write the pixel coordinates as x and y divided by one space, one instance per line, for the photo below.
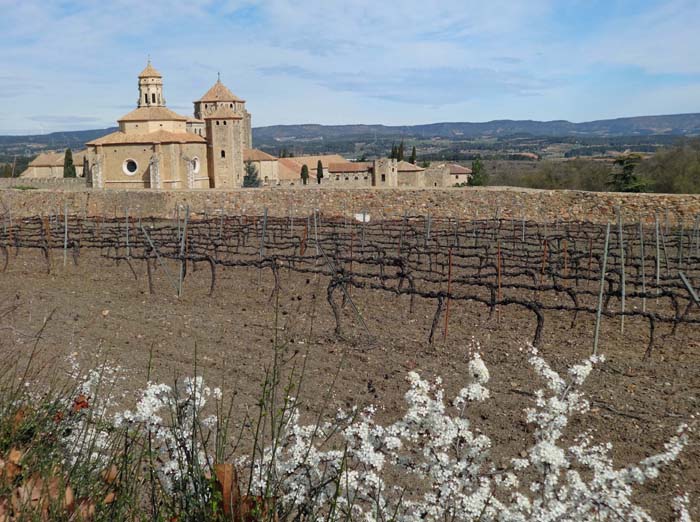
602 288
449 292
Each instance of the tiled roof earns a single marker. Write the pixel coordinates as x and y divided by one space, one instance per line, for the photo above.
290 170
160 136
257 155
219 93
56 159
459 169
152 114
405 166
312 161
223 113
348 166
150 72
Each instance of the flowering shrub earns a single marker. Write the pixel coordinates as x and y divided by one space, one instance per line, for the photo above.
446 461
181 454
431 464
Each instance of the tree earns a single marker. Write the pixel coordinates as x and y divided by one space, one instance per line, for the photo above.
6 171
304 174
575 174
623 178
674 170
394 151
319 172
400 154
413 156
68 167
479 175
251 178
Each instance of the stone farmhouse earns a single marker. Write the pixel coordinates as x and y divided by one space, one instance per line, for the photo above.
339 172
157 148
50 165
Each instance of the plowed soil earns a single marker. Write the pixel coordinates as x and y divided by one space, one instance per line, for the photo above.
103 313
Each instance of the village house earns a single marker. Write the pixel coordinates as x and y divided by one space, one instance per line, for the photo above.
446 175
50 165
266 166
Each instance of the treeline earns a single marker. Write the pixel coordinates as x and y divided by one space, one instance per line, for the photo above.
674 170
601 150
8 165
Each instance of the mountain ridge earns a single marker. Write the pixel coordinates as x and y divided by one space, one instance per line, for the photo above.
667 125
674 124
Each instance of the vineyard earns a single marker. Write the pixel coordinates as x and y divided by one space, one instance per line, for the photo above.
610 273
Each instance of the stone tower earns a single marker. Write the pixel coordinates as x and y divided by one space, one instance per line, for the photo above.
151 88
220 96
385 173
224 147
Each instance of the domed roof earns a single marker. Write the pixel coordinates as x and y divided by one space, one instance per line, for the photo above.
219 93
150 72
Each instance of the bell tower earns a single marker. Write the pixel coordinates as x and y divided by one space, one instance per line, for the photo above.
151 87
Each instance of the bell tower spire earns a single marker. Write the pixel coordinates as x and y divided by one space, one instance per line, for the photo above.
151 87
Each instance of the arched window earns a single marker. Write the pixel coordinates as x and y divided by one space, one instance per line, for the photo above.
223 153
153 97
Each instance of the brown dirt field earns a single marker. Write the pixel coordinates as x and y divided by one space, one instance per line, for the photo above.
637 404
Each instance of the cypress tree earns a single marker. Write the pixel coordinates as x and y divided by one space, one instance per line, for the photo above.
399 156
68 167
394 152
479 175
319 172
304 174
413 155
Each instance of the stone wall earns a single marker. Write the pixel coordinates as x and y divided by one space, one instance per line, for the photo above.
465 203
58 183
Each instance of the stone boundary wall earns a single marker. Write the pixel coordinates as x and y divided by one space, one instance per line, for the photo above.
44 183
464 203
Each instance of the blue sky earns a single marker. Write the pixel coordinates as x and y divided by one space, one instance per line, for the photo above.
68 64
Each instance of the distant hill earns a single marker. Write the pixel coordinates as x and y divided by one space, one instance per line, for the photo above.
277 135
676 125
34 144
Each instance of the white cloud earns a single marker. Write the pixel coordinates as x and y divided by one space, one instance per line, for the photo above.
395 62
